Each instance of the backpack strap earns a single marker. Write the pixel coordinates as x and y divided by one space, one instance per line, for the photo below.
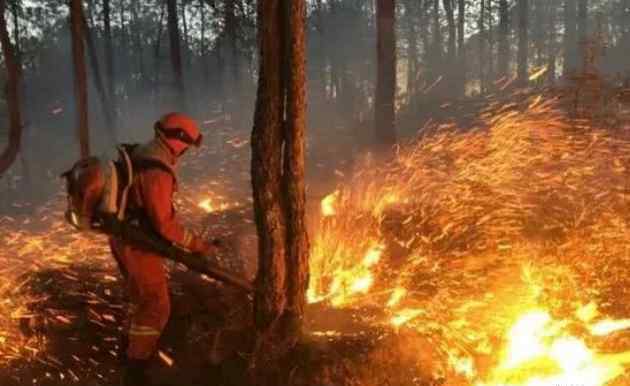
126 169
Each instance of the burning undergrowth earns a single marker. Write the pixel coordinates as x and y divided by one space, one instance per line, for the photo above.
519 224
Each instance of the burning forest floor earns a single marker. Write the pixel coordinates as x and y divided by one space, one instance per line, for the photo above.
491 255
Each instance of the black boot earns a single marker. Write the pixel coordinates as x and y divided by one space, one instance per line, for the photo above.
135 373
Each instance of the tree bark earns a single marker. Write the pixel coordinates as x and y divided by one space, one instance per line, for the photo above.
278 187
176 56
570 37
504 31
523 41
9 155
384 118
80 76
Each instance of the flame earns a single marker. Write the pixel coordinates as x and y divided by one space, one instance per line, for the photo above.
540 353
328 204
207 205
607 327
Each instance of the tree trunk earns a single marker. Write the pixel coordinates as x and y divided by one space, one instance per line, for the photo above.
582 26
482 48
15 11
450 17
176 56
490 74
570 37
12 94
98 80
158 46
186 54
139 49
278 187
109 51
504 33
233 65
449 64
384 118
80 75
551 44
412 53
523 41
461 51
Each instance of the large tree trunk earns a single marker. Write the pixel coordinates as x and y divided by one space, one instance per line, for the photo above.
384 111
176 56
523 41
504 31
570 37
98 80
12 94
278 187
80 75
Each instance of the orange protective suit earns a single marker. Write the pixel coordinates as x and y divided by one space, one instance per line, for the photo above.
151 196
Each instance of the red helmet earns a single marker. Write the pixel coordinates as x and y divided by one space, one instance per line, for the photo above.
179 131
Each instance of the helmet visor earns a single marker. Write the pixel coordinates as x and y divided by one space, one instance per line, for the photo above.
181 135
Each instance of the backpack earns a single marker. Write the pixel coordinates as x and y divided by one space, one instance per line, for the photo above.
96 187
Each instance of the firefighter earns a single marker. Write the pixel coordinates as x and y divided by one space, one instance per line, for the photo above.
150 202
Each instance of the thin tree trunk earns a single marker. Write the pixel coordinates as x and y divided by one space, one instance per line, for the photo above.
437 35
186 53
482 48
158 46
204 47
233 65
109 50
523 41
9 155
570 37
98 80
278 187
582 26
384 119
412 53
461 52
139 50
551 44
490 26
504 31
15 11
80 76
176 58
450 17
452 39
